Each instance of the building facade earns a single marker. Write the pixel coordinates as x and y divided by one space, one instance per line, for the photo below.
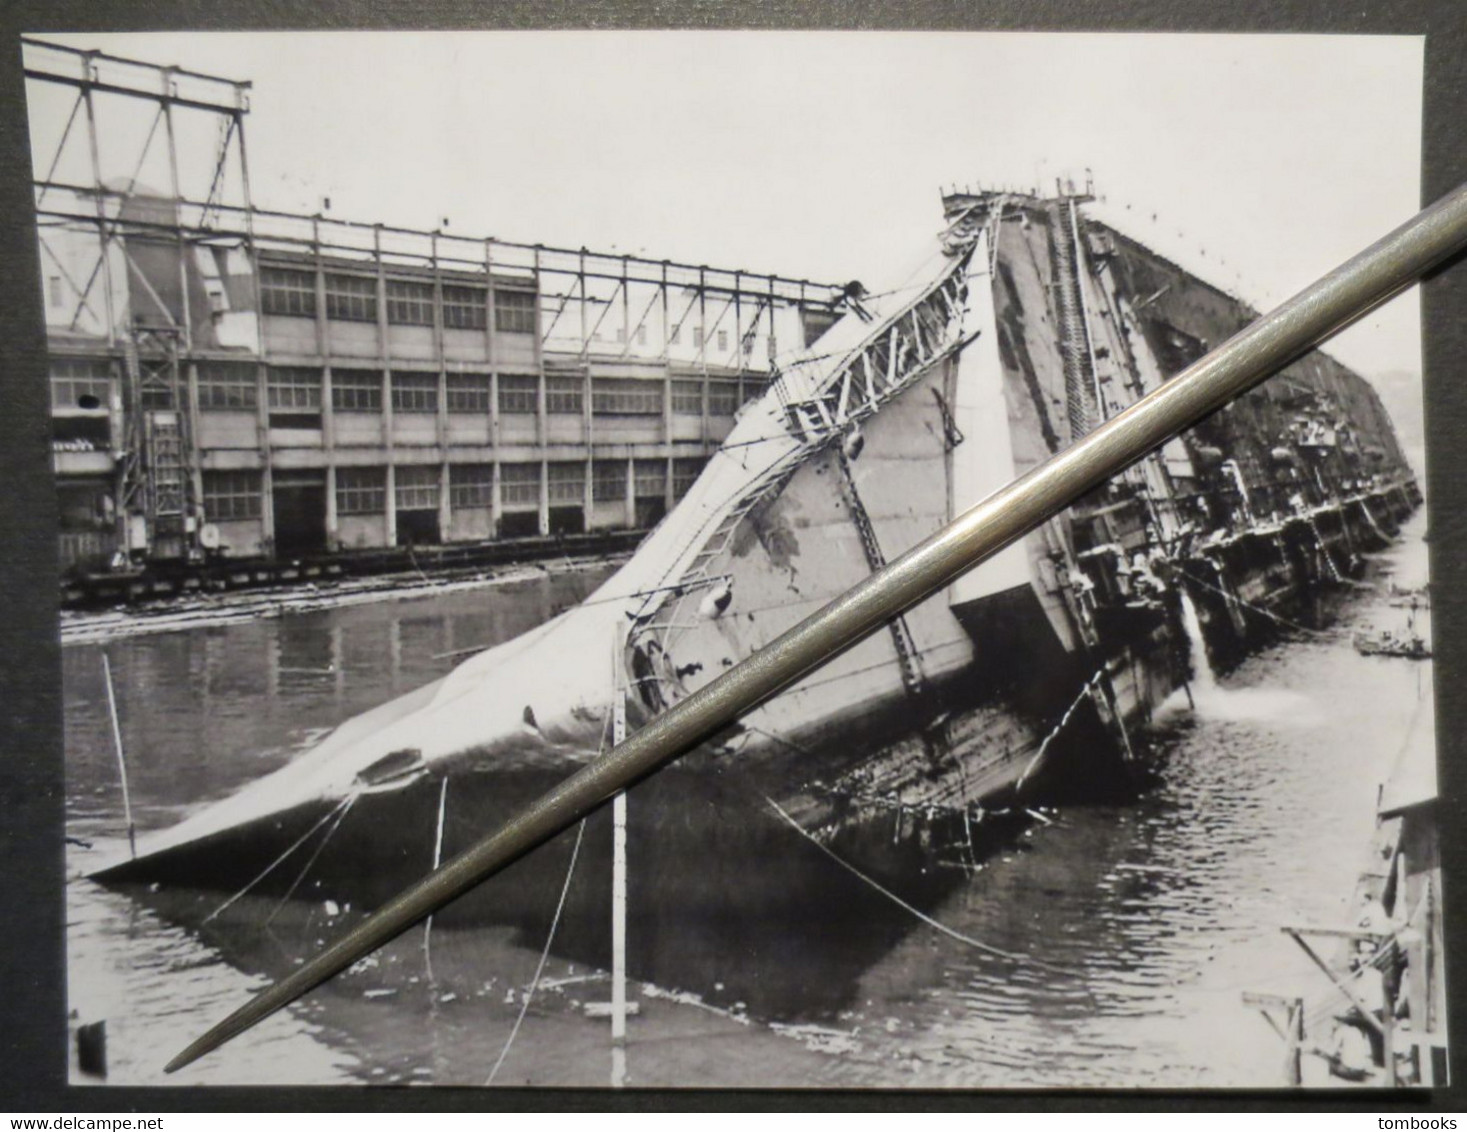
227 381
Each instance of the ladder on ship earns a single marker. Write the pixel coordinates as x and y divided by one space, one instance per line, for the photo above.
887 361
1081 402
901 634
1085 401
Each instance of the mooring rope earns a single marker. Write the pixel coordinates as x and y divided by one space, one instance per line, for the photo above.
437 860
544 955
978 944
1255 608
554 921
275 864
1085 691
289 892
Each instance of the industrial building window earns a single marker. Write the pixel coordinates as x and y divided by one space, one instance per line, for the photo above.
518 392
361 491
609 481
723 398
565 395
723 341
754 387
81 383
685 473
231 495
356 391
566 483
227 385
295 387
687 398
159 393
415 392
697 337
675 335
468 393
351 298
519 485
416 488
471 485
409 303
626 396
464 309
650 478
288 292
514 312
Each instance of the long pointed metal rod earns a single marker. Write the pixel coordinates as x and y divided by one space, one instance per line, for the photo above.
1314 314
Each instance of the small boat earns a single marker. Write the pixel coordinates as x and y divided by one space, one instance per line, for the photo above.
1384 642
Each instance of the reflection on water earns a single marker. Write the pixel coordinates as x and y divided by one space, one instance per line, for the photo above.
202 713
154 984
1137 925
206 710
1171 906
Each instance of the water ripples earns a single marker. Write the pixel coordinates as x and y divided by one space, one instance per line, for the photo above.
1164 911
1145 921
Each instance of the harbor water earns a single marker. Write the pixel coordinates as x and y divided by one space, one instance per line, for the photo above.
1108 945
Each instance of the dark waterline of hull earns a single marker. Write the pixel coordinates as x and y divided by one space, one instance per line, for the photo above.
887 950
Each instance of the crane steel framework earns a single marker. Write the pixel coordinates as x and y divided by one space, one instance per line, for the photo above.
589 306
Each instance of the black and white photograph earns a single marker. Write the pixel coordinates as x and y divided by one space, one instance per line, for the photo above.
432 411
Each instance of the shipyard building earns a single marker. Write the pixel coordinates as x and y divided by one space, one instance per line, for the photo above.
234 383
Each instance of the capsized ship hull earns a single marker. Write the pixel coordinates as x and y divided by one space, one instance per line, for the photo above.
1029 678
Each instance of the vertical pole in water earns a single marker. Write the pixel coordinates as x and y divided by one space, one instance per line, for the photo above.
1388 1039
1294 1049
437 860
619 910
132 841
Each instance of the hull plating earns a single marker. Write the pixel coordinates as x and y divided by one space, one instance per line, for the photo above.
894 766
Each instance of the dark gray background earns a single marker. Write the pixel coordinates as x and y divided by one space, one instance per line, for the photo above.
33 1034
